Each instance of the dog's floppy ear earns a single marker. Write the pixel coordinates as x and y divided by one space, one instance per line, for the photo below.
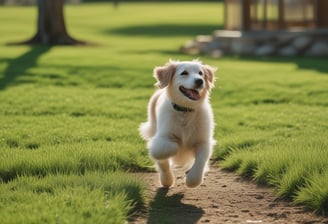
209 75
164 74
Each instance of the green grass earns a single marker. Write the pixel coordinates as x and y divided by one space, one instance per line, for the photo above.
69 115
273 128
93 197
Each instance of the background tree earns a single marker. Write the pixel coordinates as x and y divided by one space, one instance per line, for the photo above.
51 28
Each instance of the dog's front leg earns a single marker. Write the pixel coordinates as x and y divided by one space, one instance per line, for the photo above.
165 174
162 147
196 173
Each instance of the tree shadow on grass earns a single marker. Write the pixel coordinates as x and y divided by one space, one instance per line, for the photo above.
170 209
164 30
318 64
18 66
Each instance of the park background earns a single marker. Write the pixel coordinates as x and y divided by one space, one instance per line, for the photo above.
69 114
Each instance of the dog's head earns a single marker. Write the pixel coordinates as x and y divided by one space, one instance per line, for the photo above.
187 82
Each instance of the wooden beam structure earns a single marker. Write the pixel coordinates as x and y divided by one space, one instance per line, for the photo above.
308 14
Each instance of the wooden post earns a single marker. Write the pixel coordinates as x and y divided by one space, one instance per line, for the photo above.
246 15
226 14
322 15
265 14
281 14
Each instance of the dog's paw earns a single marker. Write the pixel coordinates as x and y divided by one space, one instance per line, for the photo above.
160 149
193 179
166 179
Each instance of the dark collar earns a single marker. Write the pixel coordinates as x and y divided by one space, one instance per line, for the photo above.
181 108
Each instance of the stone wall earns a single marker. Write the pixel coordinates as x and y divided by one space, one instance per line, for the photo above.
260 43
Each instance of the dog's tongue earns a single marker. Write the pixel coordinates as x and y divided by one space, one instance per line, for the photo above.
193 94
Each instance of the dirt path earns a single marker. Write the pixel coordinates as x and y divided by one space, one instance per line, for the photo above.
223 198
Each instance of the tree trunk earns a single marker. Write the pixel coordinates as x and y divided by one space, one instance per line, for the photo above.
51 29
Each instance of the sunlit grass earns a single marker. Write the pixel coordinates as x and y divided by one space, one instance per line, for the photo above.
71 113
314 193
93 197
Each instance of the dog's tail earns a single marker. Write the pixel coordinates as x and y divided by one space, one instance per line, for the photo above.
145 131
148 129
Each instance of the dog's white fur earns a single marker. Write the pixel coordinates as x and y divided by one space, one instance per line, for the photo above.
180 138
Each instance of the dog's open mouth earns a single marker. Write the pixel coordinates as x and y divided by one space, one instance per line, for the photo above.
190 93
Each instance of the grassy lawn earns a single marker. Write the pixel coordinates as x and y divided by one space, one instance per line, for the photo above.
69 115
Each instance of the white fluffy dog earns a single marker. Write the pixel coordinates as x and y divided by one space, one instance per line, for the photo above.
180 126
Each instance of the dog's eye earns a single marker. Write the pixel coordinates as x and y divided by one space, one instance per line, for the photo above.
184 73
200 73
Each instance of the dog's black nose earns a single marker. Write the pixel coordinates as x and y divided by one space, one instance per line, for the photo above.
198 82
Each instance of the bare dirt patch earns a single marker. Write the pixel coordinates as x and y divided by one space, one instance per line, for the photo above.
224 197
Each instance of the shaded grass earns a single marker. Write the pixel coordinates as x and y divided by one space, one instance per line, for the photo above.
162 30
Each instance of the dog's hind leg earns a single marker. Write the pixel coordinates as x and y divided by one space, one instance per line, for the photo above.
196 173
165 174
